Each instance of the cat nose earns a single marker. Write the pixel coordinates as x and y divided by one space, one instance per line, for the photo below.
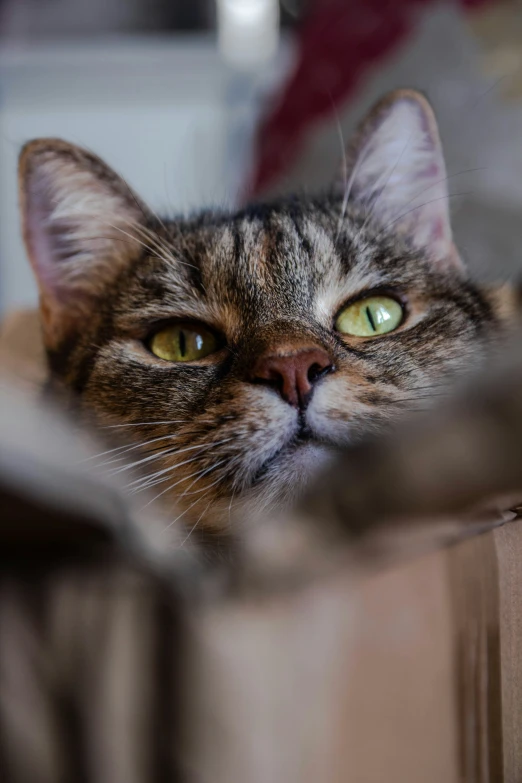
292 375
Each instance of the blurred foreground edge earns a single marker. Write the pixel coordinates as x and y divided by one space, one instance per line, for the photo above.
112 669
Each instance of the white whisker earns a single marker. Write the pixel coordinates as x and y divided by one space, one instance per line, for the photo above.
144 481
198 520
181 515
197 491
165 252
419 206
125 449
375 187
145 424
185 478
359 161
150 458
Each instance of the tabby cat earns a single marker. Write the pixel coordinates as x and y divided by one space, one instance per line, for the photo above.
236 351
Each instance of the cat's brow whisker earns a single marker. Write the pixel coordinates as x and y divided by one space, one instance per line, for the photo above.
433 184
419 206
126 233
150 236
157 243
372 206
445 179
168 232
184 243
342 143
347 192
155 251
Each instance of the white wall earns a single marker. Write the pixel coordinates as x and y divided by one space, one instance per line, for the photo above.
167 114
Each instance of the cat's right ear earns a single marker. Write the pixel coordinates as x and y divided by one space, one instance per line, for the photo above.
80 225
395 173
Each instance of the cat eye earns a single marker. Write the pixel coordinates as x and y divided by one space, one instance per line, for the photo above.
183 343
370 317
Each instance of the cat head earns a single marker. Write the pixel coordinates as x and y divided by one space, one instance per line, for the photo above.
238 349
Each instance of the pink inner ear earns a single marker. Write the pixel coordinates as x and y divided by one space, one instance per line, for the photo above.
51 248
36 218
431 171
399 177
438 232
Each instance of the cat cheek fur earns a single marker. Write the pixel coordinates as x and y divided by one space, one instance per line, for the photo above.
269 279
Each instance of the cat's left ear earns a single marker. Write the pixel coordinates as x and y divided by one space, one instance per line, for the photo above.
396 173
80 224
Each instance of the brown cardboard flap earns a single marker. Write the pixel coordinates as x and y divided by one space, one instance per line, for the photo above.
22 355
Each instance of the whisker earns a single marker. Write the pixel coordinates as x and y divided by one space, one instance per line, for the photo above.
418 397
144 481
185 478
342 143
149 481
433 184
181 515
155 451
198 491
344 206
159 244
156 250
419 206
230 507
146 424
151 458
196 523
131 236
373 206
126 448
208 470
179 481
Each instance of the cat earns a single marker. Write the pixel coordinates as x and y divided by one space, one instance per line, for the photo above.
237 351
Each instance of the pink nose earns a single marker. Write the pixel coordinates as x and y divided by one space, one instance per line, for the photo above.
293 375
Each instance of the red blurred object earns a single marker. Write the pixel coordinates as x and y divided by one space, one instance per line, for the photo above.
337 45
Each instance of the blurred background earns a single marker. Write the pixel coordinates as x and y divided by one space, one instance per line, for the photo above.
214 102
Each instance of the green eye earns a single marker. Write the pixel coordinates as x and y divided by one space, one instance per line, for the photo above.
183 343
370 317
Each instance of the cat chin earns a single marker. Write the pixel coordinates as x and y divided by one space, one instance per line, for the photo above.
281 484
288 475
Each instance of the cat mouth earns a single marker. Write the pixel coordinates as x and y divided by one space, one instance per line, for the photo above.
302 439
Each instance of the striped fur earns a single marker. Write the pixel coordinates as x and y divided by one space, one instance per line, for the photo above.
267 277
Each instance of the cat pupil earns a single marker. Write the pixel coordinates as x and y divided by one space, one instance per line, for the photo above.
370 318
182 343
